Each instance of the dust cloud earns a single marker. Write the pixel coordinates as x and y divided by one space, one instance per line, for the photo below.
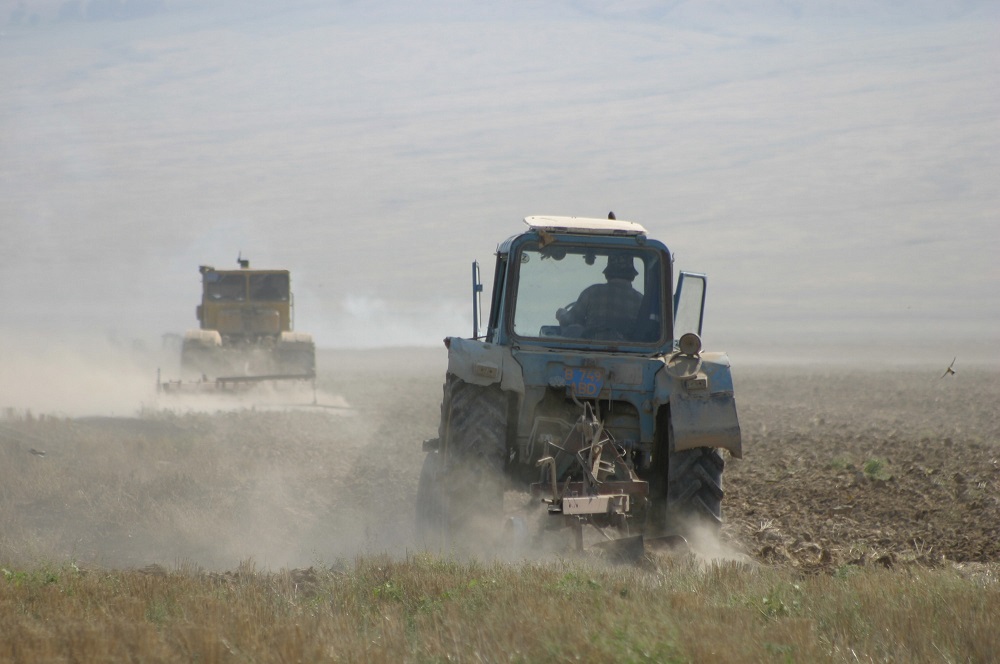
75 377
708 547
286 477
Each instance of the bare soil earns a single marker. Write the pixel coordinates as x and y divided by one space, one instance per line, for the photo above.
869 466
866 466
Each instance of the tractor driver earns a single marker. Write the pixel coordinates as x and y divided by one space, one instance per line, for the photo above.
605 311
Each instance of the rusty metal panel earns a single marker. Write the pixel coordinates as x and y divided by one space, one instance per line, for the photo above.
709 421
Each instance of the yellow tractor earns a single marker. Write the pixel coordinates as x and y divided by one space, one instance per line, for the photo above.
245 334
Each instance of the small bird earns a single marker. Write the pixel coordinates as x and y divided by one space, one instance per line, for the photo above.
949 370
37 452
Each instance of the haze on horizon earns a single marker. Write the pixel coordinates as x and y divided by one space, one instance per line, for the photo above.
832 166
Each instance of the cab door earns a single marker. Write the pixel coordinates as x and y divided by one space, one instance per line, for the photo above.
689 303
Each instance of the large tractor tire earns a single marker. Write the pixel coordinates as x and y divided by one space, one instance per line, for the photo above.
460 497
295 354
694 491
201 354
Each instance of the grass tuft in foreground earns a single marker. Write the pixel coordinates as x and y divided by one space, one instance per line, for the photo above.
429 609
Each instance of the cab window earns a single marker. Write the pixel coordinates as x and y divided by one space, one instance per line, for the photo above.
271 287
611 294
225 287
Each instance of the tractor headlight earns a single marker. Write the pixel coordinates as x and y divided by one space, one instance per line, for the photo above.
690 344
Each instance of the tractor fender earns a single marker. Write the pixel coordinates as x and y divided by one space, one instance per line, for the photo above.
207 338
481 363
703 406
296 338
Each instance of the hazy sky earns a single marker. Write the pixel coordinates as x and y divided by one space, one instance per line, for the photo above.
833 166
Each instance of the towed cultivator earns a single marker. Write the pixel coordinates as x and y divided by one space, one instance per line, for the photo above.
226 384
601 492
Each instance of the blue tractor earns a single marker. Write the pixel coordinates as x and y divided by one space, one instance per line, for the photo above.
588 388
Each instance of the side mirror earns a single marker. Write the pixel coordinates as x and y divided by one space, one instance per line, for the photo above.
689 304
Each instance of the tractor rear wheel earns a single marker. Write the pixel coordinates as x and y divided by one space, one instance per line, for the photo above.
694 490
296 358
199 359
466 505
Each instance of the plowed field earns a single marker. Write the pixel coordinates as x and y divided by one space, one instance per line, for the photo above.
887 466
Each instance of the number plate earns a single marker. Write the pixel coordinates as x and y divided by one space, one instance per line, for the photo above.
585 382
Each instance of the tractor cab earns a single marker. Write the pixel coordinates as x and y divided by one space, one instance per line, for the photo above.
589 283
245 303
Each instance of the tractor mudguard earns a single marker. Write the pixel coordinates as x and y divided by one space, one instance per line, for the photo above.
702 405
705 422
202 338
481 363
296 337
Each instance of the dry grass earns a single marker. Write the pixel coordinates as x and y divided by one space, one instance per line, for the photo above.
425 609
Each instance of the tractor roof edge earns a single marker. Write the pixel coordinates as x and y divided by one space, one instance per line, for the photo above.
585 225
203 269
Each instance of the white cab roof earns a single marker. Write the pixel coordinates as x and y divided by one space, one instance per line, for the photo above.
588 225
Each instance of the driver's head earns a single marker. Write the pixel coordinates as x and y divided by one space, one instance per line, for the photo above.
620 266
